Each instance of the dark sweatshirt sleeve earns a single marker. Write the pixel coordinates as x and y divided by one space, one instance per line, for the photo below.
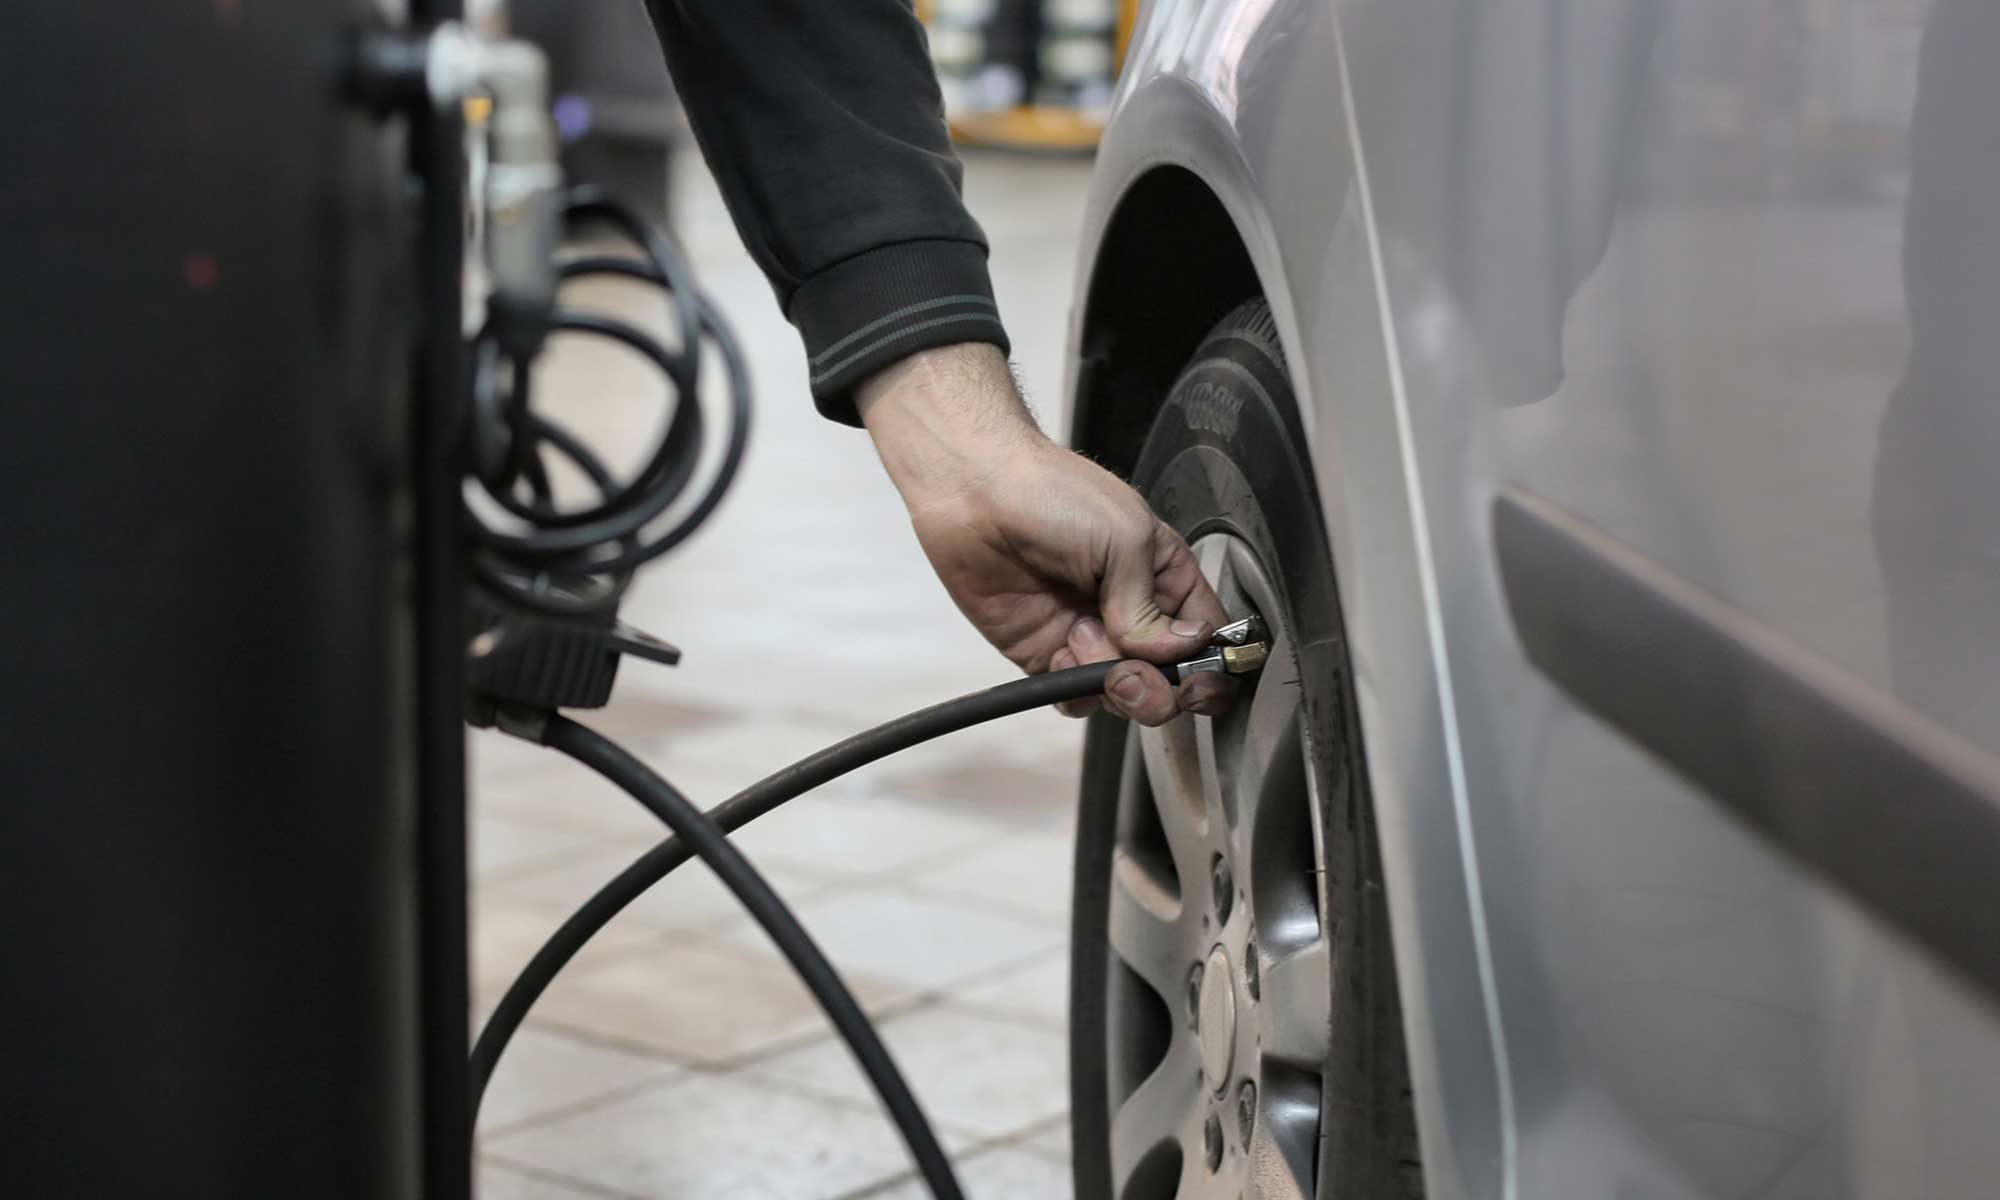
822 122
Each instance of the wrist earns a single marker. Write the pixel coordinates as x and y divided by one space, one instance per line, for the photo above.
944 421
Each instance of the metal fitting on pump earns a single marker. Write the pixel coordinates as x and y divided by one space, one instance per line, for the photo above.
523 179
521 201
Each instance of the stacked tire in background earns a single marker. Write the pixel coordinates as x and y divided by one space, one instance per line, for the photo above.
1028 74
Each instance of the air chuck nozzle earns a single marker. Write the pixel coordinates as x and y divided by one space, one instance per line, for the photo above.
1238 648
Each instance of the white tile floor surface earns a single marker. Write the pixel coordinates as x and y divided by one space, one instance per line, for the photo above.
678 1058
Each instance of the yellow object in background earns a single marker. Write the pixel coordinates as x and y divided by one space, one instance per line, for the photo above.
1030 127
1028 74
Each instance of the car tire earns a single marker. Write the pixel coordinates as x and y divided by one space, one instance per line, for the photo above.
1184 1085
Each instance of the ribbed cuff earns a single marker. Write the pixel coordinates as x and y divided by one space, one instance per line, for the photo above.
862 314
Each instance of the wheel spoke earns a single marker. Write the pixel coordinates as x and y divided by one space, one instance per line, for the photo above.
1144 928
1296 1008
1165 1108
1284 1149
1216 798
1271 755
1212 555
1173 767
1199 1183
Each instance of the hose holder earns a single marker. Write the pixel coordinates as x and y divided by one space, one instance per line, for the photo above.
526 660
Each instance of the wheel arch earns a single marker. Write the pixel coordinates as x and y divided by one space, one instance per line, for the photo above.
1169 264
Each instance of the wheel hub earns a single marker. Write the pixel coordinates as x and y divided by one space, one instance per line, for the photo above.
1218 1019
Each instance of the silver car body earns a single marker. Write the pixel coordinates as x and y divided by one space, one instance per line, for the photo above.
1712 289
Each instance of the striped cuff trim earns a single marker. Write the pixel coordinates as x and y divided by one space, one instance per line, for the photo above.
864 313
968 299
821 375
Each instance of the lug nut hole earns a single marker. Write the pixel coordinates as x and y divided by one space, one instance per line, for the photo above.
1225 890
1194 997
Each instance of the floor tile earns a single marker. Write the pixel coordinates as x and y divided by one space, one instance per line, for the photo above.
714 1137
863 834
1025 874
918 943
691 898
563 795
701 1002
999 1174
498 1182
971 1072
988 775
1038 992
1052 1143
488 751
506 934
501 847
546 1072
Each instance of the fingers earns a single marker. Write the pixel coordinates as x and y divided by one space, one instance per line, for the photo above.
1088 643
1183 590
1155 602
1137 691
1063 660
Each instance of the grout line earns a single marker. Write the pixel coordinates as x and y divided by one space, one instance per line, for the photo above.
961 1159
602 957
534 866
605 1099
883 1012
633 915
724 932
610 1041
1000 970
1018 1139
1004 1016
544 1175
917 890
884 1184
871 1107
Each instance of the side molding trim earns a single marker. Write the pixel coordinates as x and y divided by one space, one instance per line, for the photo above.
1895 810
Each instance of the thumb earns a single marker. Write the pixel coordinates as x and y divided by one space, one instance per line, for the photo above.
1155 603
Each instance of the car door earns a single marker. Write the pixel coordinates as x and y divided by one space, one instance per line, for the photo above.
1696 313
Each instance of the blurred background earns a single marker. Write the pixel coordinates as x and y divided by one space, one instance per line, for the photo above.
678 1057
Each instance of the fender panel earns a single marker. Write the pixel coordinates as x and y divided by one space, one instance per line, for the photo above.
1198 105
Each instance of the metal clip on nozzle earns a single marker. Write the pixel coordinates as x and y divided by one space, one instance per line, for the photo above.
1238 648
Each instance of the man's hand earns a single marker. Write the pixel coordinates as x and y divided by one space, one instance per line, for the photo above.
1055 560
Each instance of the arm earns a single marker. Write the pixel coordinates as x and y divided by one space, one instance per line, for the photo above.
823 124
1054 559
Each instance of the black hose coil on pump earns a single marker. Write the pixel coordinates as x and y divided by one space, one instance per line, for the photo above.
577 562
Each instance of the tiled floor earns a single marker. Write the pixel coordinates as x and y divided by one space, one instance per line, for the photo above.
678 1057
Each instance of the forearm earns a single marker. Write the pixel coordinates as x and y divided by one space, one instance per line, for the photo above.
944 419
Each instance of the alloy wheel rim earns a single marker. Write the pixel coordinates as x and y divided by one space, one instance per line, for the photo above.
1215 1082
